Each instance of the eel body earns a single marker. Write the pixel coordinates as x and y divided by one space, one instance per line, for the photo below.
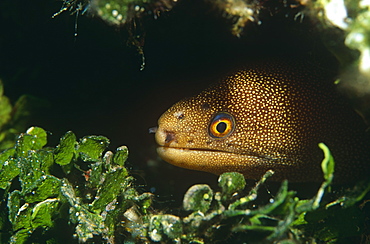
266 116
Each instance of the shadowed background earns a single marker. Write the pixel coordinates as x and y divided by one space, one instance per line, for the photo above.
93 83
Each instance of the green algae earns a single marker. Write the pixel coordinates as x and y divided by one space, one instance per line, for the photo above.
96 198
36 202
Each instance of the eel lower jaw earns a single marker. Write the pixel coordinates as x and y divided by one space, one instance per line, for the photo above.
192 149
162 148
212 161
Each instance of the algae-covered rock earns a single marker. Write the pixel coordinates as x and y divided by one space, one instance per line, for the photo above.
37 199
198 198
165 226
231 183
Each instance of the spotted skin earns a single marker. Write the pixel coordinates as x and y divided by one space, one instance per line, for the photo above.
282 111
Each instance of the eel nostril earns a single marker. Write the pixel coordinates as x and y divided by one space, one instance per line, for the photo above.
170 136
153 130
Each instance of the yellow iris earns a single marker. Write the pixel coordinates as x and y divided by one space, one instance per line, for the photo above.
221 125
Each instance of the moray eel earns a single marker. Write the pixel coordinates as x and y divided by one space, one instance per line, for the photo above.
266 116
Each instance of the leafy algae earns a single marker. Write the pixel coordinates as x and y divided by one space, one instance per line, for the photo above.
82 187
34 198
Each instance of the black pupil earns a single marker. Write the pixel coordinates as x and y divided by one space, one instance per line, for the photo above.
221 127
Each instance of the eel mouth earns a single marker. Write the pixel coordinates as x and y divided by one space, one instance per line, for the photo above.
212 161
207 150
195 149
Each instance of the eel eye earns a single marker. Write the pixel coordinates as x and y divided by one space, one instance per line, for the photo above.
222 124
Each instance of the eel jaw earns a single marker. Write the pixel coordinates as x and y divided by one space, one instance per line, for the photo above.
213 161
